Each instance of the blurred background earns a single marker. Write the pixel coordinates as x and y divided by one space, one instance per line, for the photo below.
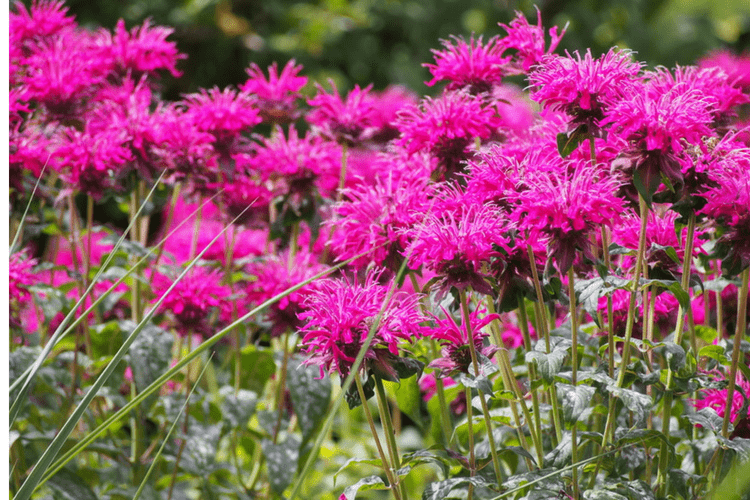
387 41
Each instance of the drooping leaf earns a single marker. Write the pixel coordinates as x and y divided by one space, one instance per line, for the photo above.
352 396
199 454
439 490
310 395
549 364
150 355
639 404
575 399
716 352
364 484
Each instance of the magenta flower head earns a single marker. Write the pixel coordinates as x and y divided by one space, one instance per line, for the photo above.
727 204
657 125
45 18
338 318
93 163
277 94
245 200
274 275
584 88
446 127
528 42
388 104
64 73
565 207
717 399
183 148
470 65
348 121
376 217
454 338
736 66
193 299
722 97
225 114
458 245
143 50
20 277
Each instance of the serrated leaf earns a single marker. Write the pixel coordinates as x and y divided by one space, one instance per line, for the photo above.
575 399
282 461
433 456
550 364
639 404
675 355
706 333
364 484
439 490
706 418
199 454
310 395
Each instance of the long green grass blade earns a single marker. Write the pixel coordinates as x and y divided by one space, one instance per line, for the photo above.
205 345
32 481
62 330
169 433
28 206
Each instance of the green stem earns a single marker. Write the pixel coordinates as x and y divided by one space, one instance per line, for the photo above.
472 456
385 418
475 363
524 324
386 465
280 389
739 332
574 375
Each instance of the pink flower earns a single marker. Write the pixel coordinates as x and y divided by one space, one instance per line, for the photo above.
277 94
736 66
193 299
446 127
458 245
338 317
376 217
565 207
225 114
64 73
584 88
142 50
20 278
471 65
717 399
528 41
184 149
247 198
348 121
274 275
455 338
387 104
44 19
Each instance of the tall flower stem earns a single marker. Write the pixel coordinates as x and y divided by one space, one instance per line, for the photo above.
280 388
609 426
610 308
475 363
390 434
470 426
386 465
542 325
445 417
574 375
739 332
509 381
524 325
678 336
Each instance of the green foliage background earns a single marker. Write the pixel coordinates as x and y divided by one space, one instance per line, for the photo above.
387 41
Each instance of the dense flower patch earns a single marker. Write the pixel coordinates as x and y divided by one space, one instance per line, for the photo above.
536 293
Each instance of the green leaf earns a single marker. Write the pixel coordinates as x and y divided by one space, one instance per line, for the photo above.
68 486
439 490
364 484
408 367
647 180
575 399
310 395
257 367
568 142
282 461
639 404
675 355
199 454
549 364
150 355
706 333
352 395
409 398
355 461
669 250
236 409
706 418
716 352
